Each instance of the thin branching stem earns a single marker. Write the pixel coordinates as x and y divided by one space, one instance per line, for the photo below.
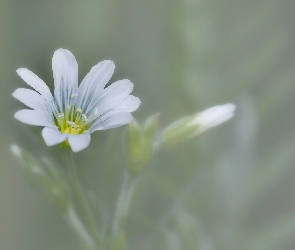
123 203
82 199
79 228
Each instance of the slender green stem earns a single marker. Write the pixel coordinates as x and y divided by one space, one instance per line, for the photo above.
79 228
190 186
82 200
123 203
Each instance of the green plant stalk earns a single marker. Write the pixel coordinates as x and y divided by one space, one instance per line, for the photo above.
79 228
123 203
82 199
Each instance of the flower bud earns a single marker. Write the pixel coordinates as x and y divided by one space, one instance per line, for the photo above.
191 126
139 142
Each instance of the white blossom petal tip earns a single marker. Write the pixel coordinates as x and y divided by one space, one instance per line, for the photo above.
35 82
52 136
214 116
79 142
75 111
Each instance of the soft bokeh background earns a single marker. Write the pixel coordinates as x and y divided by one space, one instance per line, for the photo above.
232 188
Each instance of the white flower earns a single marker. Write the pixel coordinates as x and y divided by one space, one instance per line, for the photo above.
73 113
213 117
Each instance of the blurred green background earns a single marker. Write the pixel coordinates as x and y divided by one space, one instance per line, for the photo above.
232 188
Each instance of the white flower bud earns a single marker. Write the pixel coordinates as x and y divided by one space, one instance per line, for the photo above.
191 126
213 117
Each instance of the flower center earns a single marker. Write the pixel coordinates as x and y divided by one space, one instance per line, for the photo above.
72 121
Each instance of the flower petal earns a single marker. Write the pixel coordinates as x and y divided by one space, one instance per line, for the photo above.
130 104
34 117
65 73
113 121
94 82
35 82
112 96
52 136
31 98
79 142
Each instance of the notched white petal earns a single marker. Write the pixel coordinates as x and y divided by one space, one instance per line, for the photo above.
35 82
92 85
79 142
33 117
31 98
130 104
120 87
113 121
65 74
113 95
52 136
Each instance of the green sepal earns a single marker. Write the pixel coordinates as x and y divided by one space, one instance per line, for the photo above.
139 143
179 131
